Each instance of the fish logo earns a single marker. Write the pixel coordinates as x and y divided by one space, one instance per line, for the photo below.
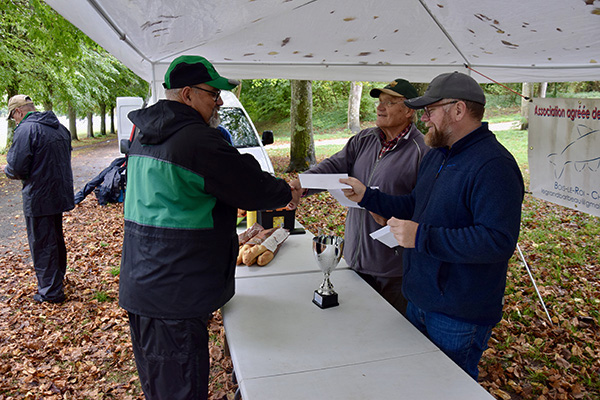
581 152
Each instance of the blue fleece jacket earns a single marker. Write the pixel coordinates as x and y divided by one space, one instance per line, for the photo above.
467 202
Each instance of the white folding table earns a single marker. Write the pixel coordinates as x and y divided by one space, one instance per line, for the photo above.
284 346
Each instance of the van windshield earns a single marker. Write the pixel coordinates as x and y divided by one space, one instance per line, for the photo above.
238 125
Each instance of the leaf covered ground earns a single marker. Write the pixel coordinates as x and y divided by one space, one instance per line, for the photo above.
81 349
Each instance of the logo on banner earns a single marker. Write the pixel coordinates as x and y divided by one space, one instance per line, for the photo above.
575 153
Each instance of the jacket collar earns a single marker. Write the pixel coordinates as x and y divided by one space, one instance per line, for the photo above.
473 137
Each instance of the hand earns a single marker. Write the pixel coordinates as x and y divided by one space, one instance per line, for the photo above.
379 219
404 231
358 189
296 194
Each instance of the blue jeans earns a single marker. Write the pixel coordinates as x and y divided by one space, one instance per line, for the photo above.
462 341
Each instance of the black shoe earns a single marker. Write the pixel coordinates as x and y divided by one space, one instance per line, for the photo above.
39 299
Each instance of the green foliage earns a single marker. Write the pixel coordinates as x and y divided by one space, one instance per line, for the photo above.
101 296
115 270
46 57
330 95
266 99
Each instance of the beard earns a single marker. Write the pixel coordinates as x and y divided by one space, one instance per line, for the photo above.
438 136
215 119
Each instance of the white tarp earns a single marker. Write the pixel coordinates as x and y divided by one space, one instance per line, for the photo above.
366 40
564 152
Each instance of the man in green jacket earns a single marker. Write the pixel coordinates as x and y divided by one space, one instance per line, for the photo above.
185 183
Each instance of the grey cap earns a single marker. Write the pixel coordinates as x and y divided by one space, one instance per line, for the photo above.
451 85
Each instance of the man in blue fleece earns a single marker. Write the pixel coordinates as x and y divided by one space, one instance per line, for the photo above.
460 224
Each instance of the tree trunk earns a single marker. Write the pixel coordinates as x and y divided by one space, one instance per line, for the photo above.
527 91
10 128
238 90
103 119
112 120
90 125
302 145
354 107
72 122
543 89
10 135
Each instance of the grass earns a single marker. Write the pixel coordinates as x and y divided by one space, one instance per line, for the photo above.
516 142
115 270
101 296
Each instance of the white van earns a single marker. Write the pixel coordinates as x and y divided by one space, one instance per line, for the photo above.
243 133
233 117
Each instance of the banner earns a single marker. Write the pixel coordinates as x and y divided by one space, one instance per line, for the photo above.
564 152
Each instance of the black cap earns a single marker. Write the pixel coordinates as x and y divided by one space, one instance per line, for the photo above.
398 88
451 85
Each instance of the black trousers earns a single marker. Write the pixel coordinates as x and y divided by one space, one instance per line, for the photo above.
389 288
171 357
49 254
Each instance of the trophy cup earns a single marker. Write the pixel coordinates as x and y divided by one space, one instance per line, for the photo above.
328 252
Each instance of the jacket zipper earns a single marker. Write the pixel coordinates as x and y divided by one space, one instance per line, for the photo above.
362 220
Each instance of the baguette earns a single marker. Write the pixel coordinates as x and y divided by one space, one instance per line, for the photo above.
273 244
249 257
265 258
243 249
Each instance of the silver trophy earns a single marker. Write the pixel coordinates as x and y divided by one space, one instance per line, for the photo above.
328 251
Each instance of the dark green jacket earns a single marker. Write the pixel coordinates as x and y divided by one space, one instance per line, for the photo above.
184 186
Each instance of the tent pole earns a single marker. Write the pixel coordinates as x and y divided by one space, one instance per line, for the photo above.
534 285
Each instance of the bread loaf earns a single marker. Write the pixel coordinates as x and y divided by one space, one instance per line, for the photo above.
241 252
249 257
265 258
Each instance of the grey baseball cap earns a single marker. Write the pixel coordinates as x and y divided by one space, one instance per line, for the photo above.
451 85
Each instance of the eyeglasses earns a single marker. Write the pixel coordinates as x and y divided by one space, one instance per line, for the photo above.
12 113
429 109
388 103
215 94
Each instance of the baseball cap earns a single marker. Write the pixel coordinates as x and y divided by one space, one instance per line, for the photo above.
17 101
192 70
451 85
398 88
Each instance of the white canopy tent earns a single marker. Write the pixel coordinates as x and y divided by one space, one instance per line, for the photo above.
366 40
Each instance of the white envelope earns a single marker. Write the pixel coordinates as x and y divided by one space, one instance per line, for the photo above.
323 181
385 236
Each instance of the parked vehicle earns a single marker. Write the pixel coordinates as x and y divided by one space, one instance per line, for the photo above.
243 133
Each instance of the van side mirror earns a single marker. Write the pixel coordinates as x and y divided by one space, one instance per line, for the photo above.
124 146
267 138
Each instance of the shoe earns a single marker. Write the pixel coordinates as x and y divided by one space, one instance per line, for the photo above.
39 299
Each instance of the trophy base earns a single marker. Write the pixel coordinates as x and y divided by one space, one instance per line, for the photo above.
325 301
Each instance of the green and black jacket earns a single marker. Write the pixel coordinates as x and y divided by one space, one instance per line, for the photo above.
184 186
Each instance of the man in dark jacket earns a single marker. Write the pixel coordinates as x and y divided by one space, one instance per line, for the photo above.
185 183
386 156
460 224
40 156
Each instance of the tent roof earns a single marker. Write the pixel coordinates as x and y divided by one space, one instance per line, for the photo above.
366 40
